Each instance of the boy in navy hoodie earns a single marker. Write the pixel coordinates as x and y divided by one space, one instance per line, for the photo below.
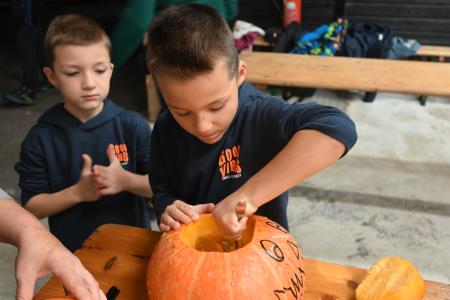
85 163
222 141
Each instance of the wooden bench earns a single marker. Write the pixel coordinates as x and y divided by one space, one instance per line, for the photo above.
440 52
345 73
363 74
118 255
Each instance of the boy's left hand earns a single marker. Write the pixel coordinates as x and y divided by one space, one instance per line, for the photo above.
111 179
226 219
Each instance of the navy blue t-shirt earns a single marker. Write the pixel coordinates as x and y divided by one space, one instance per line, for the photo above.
50 161
182 167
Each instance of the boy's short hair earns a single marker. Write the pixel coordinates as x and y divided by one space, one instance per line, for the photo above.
188 39
73 30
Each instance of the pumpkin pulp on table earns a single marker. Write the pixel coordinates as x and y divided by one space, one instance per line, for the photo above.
391 278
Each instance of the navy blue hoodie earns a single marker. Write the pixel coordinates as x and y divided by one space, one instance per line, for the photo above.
50 161
182 167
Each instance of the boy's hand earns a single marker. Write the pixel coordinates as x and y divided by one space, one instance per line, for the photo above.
110 180
180 212
226 219
87 189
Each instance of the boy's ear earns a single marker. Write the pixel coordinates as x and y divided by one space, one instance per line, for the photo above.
50 76
242 72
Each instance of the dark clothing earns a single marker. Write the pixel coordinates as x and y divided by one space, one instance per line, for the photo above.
138 15
182 167
50 161
367 40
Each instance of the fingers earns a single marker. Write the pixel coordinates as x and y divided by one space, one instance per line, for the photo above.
204 208
164 227
77 280
234 230
97 171
111 153
87 165
180 213
25 288
168 223
102 296
243 222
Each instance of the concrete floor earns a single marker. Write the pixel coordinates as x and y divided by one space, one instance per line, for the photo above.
388 197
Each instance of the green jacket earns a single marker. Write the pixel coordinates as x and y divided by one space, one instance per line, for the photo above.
138 15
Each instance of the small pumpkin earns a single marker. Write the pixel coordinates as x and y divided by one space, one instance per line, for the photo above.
391 278
192 263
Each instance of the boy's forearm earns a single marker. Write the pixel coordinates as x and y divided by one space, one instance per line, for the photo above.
15 222
307 153
137 184
48 204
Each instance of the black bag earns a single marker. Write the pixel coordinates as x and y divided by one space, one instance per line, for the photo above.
367 40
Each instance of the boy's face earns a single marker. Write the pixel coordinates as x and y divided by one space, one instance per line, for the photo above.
206 105
82 73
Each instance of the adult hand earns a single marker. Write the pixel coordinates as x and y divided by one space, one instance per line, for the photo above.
39 254
180 212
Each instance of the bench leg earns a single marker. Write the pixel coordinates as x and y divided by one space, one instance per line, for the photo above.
422 99
369 97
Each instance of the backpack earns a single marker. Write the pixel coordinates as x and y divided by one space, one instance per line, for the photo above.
367 40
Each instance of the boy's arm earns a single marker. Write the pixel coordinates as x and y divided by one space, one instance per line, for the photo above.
307 153
48 204
311 138
138 184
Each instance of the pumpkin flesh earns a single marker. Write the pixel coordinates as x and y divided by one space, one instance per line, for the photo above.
391 278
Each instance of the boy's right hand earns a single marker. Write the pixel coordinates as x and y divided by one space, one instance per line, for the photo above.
180 212
87 189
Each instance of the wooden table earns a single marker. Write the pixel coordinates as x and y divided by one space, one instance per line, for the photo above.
347 73
118 255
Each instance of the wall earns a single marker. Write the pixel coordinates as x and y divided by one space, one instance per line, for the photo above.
428 21
425 20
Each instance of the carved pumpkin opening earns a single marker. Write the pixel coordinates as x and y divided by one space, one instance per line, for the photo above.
204 236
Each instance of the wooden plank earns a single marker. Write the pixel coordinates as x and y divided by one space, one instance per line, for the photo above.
118 255
428 50
344 73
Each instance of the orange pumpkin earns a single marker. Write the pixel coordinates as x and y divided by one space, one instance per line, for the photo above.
192 262
391 278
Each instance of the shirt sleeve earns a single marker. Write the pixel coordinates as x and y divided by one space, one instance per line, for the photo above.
32 169
160 179
283 120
